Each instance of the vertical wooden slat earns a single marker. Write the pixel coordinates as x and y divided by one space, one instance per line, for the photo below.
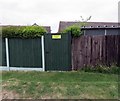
95 50
118 58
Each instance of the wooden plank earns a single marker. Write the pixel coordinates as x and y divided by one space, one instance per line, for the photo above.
95 50
118 60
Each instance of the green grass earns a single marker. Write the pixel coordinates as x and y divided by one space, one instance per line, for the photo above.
61 85
0 80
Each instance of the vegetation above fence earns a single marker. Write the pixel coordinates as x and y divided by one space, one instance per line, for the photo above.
74 29
23 31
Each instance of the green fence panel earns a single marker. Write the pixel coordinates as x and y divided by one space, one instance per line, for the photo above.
2 52
58 52
25 52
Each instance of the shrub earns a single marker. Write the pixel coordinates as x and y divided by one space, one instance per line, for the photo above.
75 30
102 69
23 31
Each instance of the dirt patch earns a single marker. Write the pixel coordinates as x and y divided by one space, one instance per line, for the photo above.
4 94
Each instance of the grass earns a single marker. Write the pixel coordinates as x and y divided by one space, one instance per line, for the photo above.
61 85
0 80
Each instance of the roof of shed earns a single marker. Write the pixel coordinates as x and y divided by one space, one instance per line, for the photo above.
48 28
65 24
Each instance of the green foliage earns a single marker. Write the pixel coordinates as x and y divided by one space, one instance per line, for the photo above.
61 85
102 69
74 29
23 31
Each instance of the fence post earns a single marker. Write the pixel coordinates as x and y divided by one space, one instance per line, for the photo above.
7 53
43 53
105 32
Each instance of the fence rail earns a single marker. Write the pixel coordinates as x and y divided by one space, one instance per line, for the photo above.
95 50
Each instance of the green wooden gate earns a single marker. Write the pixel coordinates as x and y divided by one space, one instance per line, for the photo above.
58 52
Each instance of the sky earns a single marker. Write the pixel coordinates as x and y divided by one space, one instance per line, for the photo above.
51 12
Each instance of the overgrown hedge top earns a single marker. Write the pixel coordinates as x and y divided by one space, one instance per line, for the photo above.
23 31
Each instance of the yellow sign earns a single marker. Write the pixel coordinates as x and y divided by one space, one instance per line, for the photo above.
56 36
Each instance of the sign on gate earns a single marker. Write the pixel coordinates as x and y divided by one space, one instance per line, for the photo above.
56 36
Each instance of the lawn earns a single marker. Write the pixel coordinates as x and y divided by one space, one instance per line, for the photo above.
61 85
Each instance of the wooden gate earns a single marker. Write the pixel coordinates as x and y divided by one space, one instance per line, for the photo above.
58 52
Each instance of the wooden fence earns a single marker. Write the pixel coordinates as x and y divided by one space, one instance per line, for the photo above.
95 50
49 52
86 51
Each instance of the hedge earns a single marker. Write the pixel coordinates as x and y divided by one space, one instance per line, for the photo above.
23 31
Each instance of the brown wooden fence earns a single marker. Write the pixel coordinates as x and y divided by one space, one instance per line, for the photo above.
95 50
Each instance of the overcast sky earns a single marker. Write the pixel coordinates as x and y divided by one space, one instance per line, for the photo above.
50 12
